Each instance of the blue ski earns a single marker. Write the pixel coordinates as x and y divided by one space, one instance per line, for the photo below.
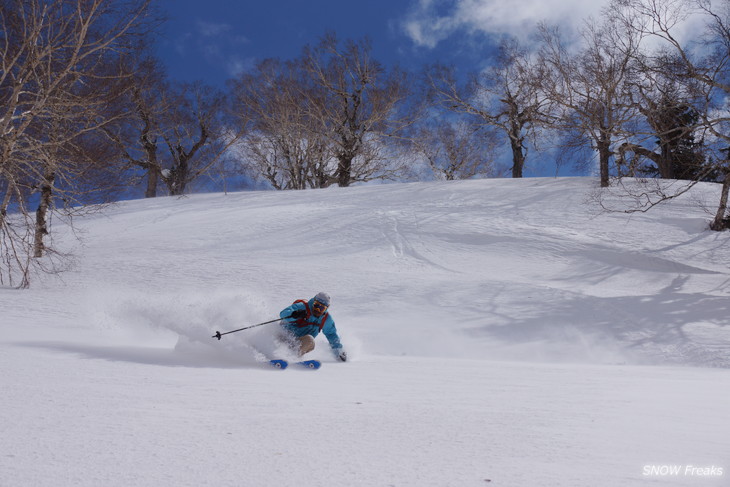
307 364
279 364
310 364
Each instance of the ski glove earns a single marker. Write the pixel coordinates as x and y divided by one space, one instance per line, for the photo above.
342 355
300 313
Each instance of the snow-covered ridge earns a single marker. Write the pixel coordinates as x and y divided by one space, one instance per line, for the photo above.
501 332
507 269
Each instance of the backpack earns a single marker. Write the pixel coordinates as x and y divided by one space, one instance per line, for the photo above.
302 322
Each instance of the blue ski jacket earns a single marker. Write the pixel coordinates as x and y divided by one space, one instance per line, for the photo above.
310 324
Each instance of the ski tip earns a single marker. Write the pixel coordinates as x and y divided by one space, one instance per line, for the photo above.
310 364
279 364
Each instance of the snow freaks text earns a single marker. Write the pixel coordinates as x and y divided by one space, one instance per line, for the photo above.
682 471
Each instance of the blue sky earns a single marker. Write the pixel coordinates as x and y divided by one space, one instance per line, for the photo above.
220 40
212 40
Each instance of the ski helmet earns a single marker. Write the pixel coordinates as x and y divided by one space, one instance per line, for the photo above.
323 298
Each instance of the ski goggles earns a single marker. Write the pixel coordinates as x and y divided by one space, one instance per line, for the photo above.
319 306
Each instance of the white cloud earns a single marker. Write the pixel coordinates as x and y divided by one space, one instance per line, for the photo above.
180 43
432 21
219 44
235 65
212 29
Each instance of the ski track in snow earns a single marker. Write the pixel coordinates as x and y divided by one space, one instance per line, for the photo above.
502 332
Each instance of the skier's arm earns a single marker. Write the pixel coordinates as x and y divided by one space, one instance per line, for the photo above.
330 331
295 308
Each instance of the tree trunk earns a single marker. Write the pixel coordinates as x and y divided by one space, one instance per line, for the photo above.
721 222
344 172
604 157
153 168
6 202
664 162
41 214
178 179
515 140
153 175
518 157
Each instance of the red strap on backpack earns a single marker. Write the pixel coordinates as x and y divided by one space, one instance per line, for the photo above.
302 322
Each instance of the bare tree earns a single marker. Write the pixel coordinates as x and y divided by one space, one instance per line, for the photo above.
670 130
61 66
174 132
456 151
591 86
360 106
137 136
505 96
196 134
703 62
284 143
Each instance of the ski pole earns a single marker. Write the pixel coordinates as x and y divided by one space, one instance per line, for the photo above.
218 334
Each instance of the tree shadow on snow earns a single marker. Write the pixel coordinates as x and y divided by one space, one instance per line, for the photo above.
669 327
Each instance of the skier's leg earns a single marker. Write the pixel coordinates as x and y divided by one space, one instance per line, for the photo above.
306 344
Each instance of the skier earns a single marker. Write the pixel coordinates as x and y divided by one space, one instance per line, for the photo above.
303 320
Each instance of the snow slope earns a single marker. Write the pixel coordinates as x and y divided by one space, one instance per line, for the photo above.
501 332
